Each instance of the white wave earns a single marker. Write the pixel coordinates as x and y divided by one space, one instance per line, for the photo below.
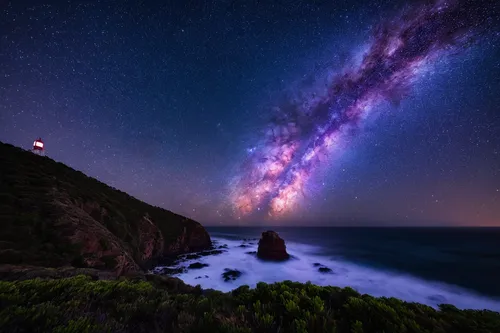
345 274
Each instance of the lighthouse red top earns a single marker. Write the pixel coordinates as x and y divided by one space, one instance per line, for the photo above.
38 144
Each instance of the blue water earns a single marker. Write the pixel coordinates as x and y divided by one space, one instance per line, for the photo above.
460 266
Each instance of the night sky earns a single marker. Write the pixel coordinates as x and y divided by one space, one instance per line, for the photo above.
266 112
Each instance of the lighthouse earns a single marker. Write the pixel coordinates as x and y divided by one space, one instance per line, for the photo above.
38 147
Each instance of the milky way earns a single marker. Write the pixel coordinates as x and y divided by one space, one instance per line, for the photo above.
304 133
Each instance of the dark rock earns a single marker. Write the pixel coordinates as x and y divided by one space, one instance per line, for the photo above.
243 246
174 261
324 269
210 253
251 252
191 256
224 246
197 265
230 274
168 261
172 271
272 247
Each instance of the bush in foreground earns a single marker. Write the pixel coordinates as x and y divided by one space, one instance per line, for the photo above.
80 304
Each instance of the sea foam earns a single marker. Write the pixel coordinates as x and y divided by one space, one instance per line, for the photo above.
300 268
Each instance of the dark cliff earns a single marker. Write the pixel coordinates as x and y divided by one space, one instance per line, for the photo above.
52 216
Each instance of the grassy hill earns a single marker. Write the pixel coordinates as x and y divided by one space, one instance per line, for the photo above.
52 215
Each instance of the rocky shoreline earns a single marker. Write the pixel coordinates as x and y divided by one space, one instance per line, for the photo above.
163 269
271 248
164 273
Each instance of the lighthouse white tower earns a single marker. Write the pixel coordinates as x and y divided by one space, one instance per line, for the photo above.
38 147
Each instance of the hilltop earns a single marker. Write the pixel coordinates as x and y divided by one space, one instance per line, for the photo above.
52 216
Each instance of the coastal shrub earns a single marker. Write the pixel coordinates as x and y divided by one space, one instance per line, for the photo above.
81 304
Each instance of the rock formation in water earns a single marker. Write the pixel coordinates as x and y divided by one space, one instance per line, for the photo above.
54 216
231 274
272 247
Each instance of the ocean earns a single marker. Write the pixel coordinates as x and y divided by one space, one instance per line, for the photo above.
459 266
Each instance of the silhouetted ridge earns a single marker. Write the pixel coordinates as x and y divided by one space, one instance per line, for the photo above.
52 215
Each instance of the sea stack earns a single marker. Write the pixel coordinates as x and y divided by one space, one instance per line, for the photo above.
272 247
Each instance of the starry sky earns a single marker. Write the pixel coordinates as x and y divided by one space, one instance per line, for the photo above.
266 112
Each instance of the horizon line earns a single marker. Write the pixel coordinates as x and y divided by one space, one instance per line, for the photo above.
351 226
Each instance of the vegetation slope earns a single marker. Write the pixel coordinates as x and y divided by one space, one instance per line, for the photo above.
80 304
52 215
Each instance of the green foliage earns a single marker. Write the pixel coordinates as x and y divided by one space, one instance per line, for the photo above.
83 325
265 320
81 304
357 327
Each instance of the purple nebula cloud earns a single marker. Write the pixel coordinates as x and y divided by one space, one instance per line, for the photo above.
304 133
